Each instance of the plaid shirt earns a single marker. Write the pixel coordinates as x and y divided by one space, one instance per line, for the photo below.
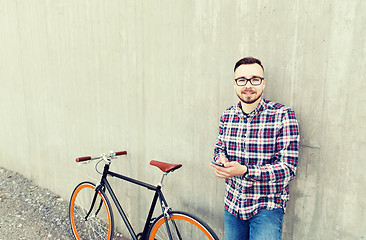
267 142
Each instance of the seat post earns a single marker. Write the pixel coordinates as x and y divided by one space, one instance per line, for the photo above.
162 179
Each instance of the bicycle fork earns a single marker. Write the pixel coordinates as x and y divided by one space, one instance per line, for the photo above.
97 188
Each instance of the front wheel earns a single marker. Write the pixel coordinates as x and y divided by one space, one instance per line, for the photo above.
182 225
99 224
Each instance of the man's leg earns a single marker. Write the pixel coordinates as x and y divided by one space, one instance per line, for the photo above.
235 228
267 225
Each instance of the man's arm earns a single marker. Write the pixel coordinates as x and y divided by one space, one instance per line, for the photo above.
220 148
287 151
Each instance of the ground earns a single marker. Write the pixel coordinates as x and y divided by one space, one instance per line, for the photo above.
30 212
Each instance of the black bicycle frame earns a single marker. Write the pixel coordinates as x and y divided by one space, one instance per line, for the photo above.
158 195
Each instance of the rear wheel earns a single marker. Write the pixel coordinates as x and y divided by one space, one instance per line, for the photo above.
99 224
182 226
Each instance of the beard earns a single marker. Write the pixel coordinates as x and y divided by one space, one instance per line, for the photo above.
249 100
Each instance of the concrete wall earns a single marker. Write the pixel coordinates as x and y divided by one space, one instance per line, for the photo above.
152 77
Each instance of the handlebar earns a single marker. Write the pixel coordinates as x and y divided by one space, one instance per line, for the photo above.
107 156
121 153
82 159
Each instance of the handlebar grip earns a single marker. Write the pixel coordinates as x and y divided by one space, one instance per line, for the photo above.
82 159
121 153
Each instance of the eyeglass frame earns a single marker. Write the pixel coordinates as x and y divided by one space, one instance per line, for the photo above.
248 80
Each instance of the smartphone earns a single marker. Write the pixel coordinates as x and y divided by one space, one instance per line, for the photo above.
218 164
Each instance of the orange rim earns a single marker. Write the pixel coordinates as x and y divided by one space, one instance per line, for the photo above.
181 217
72 204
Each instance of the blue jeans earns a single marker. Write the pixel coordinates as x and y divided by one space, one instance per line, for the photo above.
265 225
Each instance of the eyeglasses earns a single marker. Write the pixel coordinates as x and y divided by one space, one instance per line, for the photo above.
255 81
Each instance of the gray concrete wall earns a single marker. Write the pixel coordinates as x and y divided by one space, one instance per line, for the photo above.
153 77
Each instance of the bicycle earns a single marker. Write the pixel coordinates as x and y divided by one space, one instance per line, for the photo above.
91 215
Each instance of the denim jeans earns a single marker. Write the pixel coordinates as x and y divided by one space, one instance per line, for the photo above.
265 225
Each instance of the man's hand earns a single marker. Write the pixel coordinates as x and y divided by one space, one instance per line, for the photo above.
230 169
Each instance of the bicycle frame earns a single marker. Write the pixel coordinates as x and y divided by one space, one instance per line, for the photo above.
158 195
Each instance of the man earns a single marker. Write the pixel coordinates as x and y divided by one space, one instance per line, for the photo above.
258 143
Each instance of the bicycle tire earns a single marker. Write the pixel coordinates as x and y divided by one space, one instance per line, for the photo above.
182 226
100 223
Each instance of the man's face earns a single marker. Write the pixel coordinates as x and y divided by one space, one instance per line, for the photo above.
249 94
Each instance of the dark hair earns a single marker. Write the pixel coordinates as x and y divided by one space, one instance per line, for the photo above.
248 60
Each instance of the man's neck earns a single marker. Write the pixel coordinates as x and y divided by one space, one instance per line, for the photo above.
248 108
